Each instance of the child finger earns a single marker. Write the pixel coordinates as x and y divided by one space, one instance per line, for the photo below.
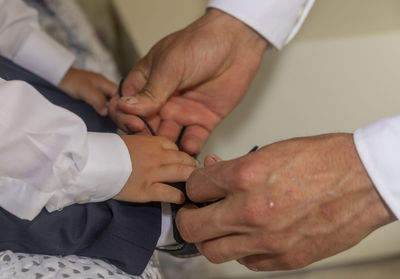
166 144
174 173
166 193
179 157
128 122
107 87
96 99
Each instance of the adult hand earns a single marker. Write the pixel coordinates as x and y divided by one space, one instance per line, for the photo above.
89 87
285 206
192 78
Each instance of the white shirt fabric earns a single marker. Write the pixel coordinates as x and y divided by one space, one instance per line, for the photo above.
48 159
278 21
378 144
22 41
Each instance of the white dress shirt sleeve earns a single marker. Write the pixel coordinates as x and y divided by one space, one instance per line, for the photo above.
378 146
48 159
278 21
22 41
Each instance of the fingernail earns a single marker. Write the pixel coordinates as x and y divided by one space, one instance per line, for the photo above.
197 163
214 157
211 159
130 100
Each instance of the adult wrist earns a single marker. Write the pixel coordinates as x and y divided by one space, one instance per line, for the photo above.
376 209
238 31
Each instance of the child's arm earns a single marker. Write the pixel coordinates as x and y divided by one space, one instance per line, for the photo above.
89 87
155 161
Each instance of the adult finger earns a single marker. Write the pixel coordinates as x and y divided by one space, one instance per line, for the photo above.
203 186
209 222
211 159
137 77
170 129
261 262
194 138
161 83
228 248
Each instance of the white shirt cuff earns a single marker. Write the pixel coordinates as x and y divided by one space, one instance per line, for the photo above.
107 169
43 56
276 20
378 146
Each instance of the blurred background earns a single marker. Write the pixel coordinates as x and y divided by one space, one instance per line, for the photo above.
341 72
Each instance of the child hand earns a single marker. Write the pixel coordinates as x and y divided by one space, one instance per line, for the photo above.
89 87
155 161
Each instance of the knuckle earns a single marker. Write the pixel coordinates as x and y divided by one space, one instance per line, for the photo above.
211 253
187 231
244 176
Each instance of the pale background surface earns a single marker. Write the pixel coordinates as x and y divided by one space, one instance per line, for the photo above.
340 73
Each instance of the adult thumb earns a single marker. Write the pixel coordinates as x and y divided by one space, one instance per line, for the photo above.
154 91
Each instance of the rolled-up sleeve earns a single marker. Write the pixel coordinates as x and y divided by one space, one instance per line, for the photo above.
48 159
278 21
23 42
